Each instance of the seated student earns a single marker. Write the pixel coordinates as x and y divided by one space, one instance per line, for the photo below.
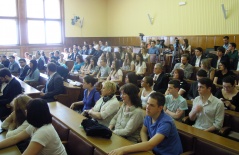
86 68
5 61
129 119
175 104
97 52
33 73
229 94
131 77
145 54
198 57
160 79
207 110
16 122
185 46
146 84
44 138
107 106
78 64
206 65
40 62
140 66
185 66
62 71
117 58
13 65
233 56
62 61
24 69
193 91
91 95
109 58
116 74
158 133
94 68
104 70
12 89
223 71
220 57
54 85
128 63
184 87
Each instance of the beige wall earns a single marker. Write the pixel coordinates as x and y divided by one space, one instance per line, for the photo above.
110 18
95 18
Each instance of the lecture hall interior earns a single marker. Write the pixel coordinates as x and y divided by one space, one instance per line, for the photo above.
53 25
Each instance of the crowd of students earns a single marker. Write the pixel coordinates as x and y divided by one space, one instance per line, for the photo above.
101 63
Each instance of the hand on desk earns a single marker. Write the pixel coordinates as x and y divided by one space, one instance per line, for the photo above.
42 94
116 152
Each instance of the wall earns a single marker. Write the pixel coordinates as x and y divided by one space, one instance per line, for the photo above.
197 17
95 18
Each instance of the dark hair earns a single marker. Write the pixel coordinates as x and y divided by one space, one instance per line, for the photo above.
132 78
159 97
129 57
22 59
225 64
117 55
186 43
38 113
87 60
110 58
141 59
185 55
202 73
229 79
175 83
199 49
180 74
206 81
57 52
31 70
4 72
133 91
221 49
80 57
51 67
11 56
153 41
117 67
95 62
90 79
226 37
4 56
149 80
233 45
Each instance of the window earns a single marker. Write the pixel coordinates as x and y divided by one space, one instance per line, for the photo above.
44 22
8 22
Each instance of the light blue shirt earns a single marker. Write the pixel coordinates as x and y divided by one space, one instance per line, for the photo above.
174 104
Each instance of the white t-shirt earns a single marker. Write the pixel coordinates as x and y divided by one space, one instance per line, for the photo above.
48 138
139 69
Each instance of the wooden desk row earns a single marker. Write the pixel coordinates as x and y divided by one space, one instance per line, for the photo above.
29 90
73 121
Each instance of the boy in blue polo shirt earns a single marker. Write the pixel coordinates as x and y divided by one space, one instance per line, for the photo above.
159 127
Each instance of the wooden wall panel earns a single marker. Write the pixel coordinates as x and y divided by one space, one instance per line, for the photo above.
195 41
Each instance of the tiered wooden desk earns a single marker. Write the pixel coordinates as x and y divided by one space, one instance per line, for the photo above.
73 120
13 150
29 90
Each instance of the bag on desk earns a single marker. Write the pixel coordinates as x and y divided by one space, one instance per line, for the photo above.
93 128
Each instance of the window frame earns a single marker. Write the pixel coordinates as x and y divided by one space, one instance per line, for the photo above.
22 27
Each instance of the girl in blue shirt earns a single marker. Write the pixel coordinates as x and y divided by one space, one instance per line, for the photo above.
91 95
